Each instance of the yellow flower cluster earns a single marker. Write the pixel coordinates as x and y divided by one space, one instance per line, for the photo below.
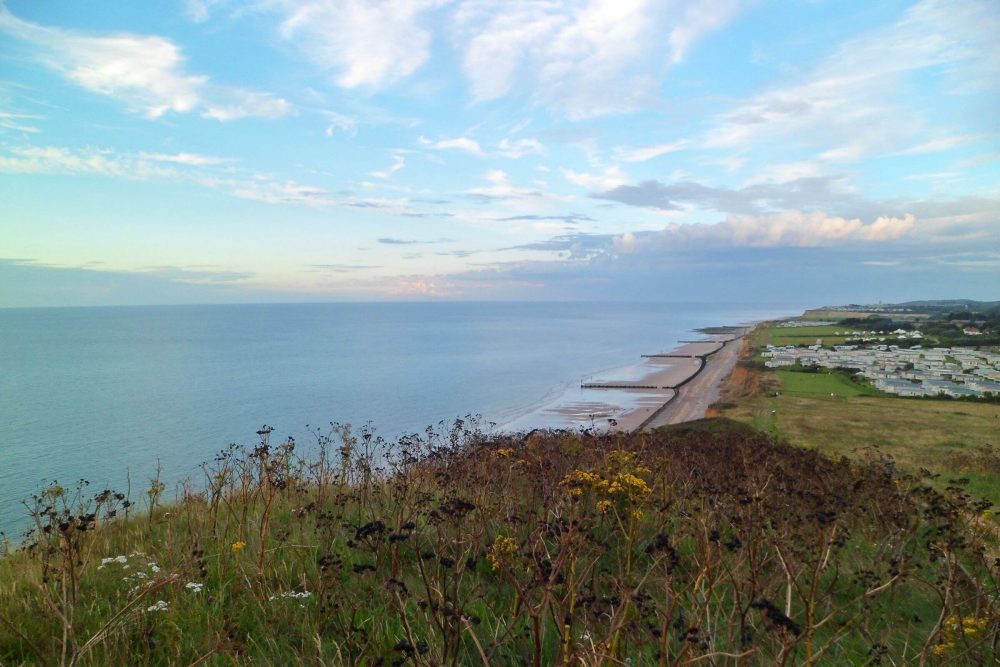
504 453
957 628
501 553
238 545
620 481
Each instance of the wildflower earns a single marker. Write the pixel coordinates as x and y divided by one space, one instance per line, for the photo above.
502 551
122 560
603 506
161 605
238 545
504 453
955 628
194 586
300 595
154 568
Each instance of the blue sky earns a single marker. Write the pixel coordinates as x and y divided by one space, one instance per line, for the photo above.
220 151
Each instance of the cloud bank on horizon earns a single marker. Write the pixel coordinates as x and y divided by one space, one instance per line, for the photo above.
217 150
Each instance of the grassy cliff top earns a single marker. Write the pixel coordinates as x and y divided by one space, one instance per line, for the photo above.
706 543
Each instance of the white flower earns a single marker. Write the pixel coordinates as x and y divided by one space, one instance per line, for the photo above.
153 567
161 605
194 586
292 594
112 559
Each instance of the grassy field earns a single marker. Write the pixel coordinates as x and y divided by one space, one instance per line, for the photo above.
822 383
953 438
828 315
800 335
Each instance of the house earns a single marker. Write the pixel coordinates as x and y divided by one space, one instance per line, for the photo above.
972 331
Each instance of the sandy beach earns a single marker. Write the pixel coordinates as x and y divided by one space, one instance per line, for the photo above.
694 398
661 388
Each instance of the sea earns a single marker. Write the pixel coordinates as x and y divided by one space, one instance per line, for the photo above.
108 393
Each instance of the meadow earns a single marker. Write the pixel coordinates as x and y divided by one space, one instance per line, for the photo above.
707 543
828 411
806 335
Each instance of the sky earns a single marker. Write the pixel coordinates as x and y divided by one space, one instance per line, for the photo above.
208 151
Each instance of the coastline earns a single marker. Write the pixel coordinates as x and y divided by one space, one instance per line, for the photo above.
667 387
697 395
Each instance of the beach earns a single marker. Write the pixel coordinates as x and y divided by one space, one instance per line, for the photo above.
695 397
661 388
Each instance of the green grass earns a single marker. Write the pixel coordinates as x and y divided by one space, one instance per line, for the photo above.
651 549
953 439
822 382
800 335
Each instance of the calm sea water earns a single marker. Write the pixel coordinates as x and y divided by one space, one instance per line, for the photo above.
94 392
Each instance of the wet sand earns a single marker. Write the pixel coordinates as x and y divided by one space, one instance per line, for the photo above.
651 372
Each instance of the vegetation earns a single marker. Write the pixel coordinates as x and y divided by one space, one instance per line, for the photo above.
822 381
776 335
956 438
703 544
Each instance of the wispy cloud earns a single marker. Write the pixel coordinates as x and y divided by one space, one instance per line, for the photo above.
507 148
362 44
199 170
398 162
946 143
464 144
583 58
192 159
610 177
146 73
798 193
644 153
864 99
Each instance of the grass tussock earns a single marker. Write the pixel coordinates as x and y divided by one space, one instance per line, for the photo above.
705 545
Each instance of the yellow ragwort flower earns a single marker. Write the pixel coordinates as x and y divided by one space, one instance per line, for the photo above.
501 553
238 545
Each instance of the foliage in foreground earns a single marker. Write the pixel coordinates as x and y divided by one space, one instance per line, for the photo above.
695 546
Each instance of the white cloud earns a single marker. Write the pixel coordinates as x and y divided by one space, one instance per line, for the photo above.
398 162
54 159
698 19
785 172
191 169
338 121
518 148
236 103
513 149
583 58
610 178
363 44
191 159
946 143
501 189
15 121
645 153
459 143
865 99
144 72
790 228
200 11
